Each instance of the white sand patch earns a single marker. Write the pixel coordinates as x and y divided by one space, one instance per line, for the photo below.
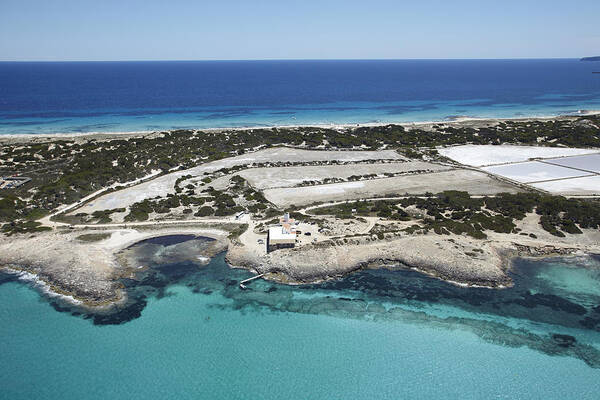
474 182
125 237
163 185
86 198
337 188
119 238
533 171
267 178
481 155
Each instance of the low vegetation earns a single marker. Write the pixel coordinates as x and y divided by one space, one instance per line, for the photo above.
93 237
64 171
239 196
23 227
459 213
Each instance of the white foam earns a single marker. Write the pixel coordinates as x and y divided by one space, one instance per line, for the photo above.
41 285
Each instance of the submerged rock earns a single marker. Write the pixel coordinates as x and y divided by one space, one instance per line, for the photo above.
563 340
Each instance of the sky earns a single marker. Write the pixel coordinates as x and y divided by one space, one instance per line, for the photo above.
82 30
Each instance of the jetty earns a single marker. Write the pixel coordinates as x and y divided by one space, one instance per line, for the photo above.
243 283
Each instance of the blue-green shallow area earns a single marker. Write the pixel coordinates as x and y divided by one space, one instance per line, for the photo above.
374 334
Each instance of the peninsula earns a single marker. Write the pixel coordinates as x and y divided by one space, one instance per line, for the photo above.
454 199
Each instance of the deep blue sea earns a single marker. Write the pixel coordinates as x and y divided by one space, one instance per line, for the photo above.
190 332
51 97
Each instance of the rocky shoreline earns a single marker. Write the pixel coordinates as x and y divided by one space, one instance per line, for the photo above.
81 273
88 274
458 260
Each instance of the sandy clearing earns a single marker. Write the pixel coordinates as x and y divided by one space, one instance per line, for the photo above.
586 186
122 238
474 182
267 178
533 171
481 155
163 185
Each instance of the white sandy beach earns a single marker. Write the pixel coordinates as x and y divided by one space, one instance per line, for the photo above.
340 126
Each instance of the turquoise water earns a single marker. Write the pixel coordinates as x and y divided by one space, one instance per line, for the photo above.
141 96
375 334
329 114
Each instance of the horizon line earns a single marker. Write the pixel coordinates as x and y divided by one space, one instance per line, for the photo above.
299 59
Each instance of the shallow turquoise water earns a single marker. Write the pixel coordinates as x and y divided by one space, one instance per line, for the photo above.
202 337
173 351
572 280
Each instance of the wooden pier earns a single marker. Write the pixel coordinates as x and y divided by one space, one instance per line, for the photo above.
242 283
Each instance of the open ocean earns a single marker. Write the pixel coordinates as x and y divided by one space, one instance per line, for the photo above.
61 97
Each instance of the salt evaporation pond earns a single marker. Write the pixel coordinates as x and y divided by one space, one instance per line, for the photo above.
534 171
590 162
584 186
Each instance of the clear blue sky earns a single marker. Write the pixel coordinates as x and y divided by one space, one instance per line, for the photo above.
280 29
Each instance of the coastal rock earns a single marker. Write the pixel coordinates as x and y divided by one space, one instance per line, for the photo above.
89 272
81 270
428 254
564 340
541 251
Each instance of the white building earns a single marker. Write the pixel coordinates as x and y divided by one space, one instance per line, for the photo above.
283 235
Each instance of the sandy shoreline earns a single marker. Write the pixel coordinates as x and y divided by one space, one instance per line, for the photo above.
461 120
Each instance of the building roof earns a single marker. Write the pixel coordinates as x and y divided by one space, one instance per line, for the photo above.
278 233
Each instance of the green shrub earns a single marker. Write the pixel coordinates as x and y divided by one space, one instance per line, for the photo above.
204 211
